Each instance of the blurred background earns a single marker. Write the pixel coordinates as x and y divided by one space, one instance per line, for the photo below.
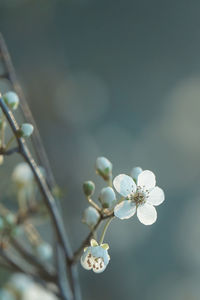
119 79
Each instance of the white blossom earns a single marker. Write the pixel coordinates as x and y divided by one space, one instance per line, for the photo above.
90 216
95 257
107 197
140 198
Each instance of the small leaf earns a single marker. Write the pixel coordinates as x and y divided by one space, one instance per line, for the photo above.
105 246
93 243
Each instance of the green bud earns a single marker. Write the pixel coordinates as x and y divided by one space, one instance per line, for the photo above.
88 188
25 130
11 99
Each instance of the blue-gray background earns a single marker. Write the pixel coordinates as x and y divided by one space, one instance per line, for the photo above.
120 79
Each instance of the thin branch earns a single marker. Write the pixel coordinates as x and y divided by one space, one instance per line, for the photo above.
37 142
49 199
16 263
9 152
62 276
43 160
45 272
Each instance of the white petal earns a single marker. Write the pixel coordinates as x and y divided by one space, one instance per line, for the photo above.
125 209
147 179
124 185
100 270
156 196
87 260
146 214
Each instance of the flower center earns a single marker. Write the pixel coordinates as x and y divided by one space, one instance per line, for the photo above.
140 196
95 262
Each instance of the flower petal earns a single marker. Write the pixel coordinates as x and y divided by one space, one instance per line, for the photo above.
87 260
124 185
146 214
125 209
156 196
146 179
100 269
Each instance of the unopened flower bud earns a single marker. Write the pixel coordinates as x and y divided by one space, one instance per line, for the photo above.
25 130
19 283
90 216
44 251
22 175
107 197
88 188
136 172
104 167
11 99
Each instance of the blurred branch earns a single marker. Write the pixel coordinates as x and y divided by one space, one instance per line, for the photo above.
62 276
45 187
48 198
43 271
36 139
15 263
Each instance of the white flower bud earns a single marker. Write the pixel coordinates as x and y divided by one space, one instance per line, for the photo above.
26 130
88 188
22 175
1 159
90 216
107 197
104 167
44 251
136 172
11 99
36 292
19 282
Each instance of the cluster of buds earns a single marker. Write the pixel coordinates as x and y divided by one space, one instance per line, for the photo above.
138 195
